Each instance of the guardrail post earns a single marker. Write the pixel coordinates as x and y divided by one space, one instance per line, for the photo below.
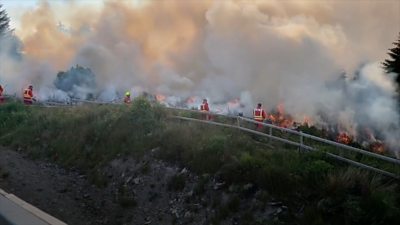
270 133
301 141
339 151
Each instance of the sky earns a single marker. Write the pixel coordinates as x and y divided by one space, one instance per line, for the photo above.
16 8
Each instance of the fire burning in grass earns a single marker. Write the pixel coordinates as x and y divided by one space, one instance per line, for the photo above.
377 147
160 98
235 103
280 118
367 137
344 138
191 100
307 121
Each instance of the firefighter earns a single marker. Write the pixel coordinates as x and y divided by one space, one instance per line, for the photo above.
205 109
28 96
1 94
127 98
259 115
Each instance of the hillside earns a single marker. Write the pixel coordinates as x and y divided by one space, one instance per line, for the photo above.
115 164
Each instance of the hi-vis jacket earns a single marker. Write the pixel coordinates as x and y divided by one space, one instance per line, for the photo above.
204 107
1 94
28 95
259 114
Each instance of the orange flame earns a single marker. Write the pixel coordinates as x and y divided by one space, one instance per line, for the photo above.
377 147
344 138
307 121
234 103
191 100
281 108
160 98
279 117
370 134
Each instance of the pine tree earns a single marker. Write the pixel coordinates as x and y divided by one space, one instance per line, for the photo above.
4 22
10 45
392 65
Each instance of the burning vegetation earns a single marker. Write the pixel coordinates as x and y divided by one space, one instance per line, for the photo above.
280 118
362 137
189 58
78 80
344 138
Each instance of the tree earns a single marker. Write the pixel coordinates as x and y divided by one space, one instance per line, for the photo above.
392 65
78 82
10 45
4 22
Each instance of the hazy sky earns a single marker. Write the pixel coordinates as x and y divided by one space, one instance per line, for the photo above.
16 8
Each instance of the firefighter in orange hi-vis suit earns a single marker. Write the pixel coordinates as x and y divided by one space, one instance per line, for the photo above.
259 115
205 109
1 94
28 96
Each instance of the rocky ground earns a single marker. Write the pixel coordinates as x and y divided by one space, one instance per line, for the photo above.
148 191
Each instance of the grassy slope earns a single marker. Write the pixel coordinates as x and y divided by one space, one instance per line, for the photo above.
87 137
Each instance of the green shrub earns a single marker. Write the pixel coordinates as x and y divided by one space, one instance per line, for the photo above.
315 171
12 116
277 181
83 136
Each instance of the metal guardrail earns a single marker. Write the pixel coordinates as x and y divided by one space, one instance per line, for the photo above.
300 144
336 144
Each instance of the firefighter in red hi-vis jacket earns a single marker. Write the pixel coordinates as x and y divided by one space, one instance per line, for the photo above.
1 94
205 109
259 115
28 95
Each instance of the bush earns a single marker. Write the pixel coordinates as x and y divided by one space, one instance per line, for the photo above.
352 196
11 116
144 117
277 181
315 171
83 136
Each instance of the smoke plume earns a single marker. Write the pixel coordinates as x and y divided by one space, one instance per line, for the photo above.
289 52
